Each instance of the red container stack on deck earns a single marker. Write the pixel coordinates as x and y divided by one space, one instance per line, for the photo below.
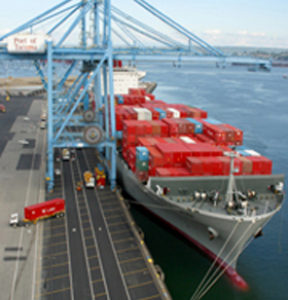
179 127
174 147
260 165
174 154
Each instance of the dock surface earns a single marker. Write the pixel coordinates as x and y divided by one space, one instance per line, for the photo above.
22 154
94 252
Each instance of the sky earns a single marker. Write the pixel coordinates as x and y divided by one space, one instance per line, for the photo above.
254 23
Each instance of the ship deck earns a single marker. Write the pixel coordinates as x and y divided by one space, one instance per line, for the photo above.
182 194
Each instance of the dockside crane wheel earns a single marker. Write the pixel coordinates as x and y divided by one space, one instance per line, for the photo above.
89 116
92 135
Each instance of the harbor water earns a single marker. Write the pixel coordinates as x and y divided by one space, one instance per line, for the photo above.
257 103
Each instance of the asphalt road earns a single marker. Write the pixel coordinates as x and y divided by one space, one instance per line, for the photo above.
80 280
116 287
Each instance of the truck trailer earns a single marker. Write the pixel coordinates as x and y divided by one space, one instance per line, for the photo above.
34 213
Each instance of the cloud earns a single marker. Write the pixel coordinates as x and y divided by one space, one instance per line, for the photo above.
243 38
213 31
4 31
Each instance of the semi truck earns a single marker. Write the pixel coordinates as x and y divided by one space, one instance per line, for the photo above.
34 213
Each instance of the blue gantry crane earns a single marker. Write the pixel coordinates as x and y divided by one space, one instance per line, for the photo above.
72 121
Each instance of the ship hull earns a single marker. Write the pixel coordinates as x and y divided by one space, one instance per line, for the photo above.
234 233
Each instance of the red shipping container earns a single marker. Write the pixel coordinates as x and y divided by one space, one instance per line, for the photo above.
188 112
155 156
204 139
181 109
238 166
130 113
214 132
44 210
194 165
229 134
247 165
142 175
169 114
173 129
131 158
174 154
147 141
169 140
158 102
162 172
198 113
155 114
129 139
159 128
212 166
261 165
150 96
172 172
129 127
156 159
137 91
226 165
185 127
179 126
204 150
238 134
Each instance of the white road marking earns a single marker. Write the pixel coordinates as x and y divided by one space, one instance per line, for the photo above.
38 232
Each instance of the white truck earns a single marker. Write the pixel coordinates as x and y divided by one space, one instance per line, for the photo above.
89 179
65 154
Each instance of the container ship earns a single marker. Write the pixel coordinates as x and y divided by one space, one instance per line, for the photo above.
194 173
